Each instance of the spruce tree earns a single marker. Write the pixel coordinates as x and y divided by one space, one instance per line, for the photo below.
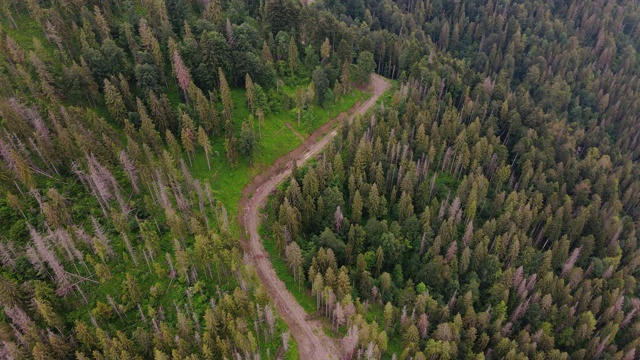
114 102
225 94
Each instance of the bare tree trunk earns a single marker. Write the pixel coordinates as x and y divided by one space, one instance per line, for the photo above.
206 153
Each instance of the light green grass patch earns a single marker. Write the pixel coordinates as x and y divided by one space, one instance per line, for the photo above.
277 140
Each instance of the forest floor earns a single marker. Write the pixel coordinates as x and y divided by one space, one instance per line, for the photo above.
313 343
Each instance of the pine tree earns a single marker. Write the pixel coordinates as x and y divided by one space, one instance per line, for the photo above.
343 283
317 287
379 260
150 43
338 218
405 207
7 13
125 90
158 12
251 97
229 34
132 43
301 99
231 148
472 203
182 73
265 54
225 94
174 146
148 128
374 201
85 335
292 55
247 139
388 316
443 39
260 115
356 208
101 22
294 260
46 311
213 12
207 112
325 50
345 78
114 101
289 217
188 136
161 112
46 79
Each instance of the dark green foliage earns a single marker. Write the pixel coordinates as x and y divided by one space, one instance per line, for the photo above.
329 240
213 52
247 139
321 85
282 15
489 194
147 78
177 11
366 66
114 59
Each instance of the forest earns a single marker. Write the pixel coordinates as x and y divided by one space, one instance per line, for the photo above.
489 209
485 208
128 131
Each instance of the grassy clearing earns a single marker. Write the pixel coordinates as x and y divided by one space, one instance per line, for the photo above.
277 140
292 353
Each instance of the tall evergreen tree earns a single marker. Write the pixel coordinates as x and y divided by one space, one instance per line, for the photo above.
114 102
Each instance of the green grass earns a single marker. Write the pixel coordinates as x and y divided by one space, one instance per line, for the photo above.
27 30
445 183
292 353
277 140
305 299
388 96
394 344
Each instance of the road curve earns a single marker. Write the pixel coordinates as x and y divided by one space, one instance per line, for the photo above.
313 343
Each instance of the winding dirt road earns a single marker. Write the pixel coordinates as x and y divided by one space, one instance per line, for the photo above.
313 343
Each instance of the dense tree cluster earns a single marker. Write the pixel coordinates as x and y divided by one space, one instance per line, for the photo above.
489 208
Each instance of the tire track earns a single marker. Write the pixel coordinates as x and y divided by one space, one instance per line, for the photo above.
313 343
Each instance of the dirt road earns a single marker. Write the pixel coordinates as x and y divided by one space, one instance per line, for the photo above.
313 343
